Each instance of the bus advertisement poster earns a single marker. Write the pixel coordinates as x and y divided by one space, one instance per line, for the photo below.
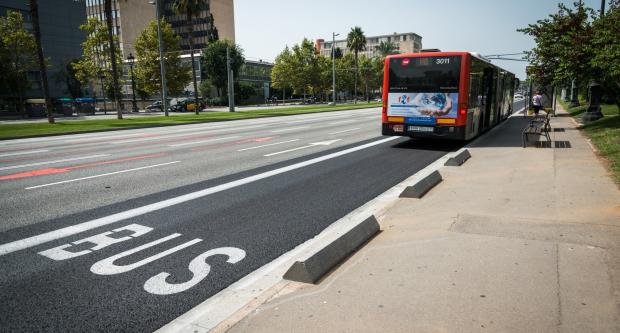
423 104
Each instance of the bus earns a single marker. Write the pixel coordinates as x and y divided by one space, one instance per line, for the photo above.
451 95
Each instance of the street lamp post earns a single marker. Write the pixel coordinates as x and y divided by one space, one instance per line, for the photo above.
334 67
131 59
164 97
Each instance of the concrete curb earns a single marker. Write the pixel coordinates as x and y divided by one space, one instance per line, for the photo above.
459 159
424 185
317 265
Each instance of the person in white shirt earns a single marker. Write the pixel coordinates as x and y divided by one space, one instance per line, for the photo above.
537 103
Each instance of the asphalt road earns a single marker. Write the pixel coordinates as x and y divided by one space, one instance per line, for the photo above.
125 231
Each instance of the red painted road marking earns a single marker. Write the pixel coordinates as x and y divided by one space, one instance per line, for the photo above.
34 173
50 171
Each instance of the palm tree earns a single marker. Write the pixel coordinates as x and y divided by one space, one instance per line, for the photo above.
356 42
115 87
34 13
191 9
386 48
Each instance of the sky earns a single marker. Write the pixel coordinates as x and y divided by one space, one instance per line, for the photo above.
264 28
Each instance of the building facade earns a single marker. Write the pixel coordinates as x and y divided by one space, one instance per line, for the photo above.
257 75
131 17
61 41
404 43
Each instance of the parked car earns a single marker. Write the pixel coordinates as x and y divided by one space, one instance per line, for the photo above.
155 106
519 96
184 105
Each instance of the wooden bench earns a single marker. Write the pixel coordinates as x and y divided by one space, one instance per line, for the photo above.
538 126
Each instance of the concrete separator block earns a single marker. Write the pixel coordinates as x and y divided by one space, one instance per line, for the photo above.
314 267
422 186
459 159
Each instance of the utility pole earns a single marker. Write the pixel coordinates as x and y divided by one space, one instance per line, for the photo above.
334 67
231 85
164 95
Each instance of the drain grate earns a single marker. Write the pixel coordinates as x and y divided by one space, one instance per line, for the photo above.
553 144
559 129
543 144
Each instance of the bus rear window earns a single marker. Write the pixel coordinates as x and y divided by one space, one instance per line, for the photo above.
428 74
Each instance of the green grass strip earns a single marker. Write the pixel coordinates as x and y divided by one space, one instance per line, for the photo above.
604 133
24 130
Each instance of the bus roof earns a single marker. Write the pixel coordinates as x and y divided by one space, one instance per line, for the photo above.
445 54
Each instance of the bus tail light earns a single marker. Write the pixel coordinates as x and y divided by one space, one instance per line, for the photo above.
463 109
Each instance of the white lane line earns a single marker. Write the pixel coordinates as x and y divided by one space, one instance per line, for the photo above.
101 138
203 141
53 162
96 223
347 130
289 129
24 152
268 145
145 139
288 151
102 175
342 122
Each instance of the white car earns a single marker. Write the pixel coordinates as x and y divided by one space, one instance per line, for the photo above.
519 96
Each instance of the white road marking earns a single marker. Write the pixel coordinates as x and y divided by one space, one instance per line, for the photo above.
348 130
96 223
268 145
53 162
203 141
289 129
146 139
288 151
342 122
101 138
24 152
102 175
323 143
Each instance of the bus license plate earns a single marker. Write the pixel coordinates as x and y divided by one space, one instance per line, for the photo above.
420 129
398 128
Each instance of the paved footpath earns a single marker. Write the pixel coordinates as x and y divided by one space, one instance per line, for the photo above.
515 240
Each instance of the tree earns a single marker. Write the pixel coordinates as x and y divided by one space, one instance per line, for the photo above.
19 51
606 47
147 71
345 71
336 53
386 48
282 72
214 63
34 13
95 59
113 55
67 75
191 9
305 71
356 42
563 47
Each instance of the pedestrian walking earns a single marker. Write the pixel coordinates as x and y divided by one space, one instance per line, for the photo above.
537 103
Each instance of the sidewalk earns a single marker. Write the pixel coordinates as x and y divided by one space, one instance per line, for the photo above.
515 240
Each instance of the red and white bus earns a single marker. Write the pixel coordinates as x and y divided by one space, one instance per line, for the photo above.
452 95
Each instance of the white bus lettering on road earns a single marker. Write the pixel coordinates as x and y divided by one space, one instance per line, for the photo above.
200 269
100 241
107 266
